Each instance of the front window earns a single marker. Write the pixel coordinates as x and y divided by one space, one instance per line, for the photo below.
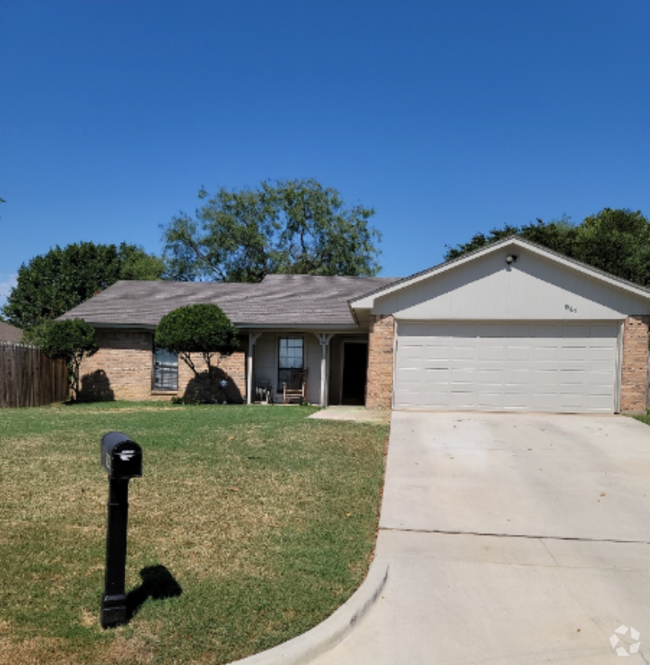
165 370
291 356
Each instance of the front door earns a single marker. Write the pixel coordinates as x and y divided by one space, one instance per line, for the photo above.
355 367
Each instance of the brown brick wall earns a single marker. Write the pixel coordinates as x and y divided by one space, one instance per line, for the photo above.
379 391
123 366
634 369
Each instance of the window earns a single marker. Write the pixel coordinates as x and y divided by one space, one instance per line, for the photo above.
165 370
290 356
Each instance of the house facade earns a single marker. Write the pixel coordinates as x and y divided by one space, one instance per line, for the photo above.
510 327
286 322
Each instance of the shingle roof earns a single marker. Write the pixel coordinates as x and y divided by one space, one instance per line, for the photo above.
9 333
291 300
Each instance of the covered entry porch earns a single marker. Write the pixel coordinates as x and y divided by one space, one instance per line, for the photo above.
333 364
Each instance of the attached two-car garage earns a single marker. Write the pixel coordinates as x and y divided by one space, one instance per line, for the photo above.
510 327
525 366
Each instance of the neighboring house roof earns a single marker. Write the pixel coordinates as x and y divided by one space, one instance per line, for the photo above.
366 301
9 333
277 301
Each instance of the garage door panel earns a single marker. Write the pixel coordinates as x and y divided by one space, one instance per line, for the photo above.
547 352
488 375
488 330
436 352
491 400
546 377
549 331
515 330
605 331
409 351
491 351
574 353
572 377
598 402
601 377
437 376
520 366
461 399
575 401
518 353
466 351
517 377
465 330
545 402
602 354
516 400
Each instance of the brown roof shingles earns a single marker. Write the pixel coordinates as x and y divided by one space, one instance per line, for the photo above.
291 300
9 333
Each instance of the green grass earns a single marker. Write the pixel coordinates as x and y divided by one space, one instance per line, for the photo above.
264 518
644 419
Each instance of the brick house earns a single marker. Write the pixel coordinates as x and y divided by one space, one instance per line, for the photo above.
286 322
512 326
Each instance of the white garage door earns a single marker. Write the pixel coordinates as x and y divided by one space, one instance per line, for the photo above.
507 366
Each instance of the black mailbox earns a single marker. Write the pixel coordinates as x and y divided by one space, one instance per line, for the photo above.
121 457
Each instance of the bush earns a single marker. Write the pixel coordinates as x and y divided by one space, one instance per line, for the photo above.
203 329
70 340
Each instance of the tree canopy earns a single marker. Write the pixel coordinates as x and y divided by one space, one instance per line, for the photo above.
53 283
71 340
201 328
291 226
617 241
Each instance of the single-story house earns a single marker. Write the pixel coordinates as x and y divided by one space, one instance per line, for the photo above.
9 333
512 326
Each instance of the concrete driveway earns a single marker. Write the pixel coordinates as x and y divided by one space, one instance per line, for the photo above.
517 539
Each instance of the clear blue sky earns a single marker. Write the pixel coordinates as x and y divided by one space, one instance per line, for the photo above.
447 116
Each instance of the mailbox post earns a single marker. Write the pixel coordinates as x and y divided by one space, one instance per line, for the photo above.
122 459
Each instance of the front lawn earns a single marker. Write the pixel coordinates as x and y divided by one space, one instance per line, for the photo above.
265 519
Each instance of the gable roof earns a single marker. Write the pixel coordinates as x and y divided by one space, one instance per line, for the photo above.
9 333
366 301
278 301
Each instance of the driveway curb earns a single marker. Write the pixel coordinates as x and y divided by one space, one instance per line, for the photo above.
304 648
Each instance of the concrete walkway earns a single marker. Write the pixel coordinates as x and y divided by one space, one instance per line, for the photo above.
357 414
510 539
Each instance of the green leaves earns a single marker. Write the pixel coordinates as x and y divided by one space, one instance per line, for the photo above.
53 283
67 339
617 241
201 328
70 340
293 226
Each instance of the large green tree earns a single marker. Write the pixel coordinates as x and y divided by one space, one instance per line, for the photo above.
53 283
617 241
291 226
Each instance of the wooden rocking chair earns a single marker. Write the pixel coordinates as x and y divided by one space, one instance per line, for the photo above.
295 390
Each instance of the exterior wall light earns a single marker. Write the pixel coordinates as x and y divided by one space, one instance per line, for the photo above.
511 258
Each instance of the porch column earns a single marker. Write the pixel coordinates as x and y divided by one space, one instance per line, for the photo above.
252 338
324 339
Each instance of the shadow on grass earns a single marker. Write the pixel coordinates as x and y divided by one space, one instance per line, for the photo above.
157 583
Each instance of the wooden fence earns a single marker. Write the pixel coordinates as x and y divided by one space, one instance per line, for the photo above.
29 378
